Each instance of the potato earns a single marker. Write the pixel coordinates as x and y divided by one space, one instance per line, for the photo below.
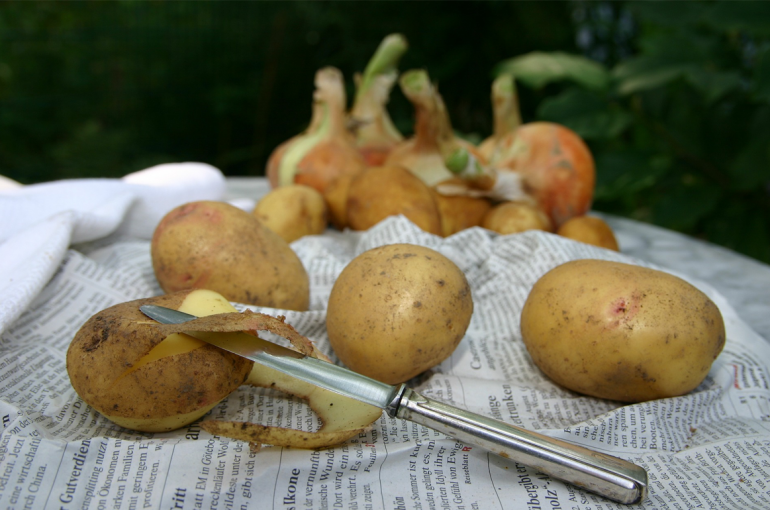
293 211
379 192
398 310
131 373
336 197
589 230
152 377
515 217
216 246
620 331
460 212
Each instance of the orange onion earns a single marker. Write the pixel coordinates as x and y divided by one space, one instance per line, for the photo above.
541 163
326 150
555 165
369 121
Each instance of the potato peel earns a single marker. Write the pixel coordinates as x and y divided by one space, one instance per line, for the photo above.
341 417
277 436
247 321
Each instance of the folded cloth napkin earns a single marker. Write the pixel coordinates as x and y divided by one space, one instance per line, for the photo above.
39 222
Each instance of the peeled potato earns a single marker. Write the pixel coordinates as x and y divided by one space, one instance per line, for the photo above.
133 374
515 217
620 331
153 377
398 310
379 192
589 230
216 246
293 211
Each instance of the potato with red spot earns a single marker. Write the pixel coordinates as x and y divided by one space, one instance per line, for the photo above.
398 310
217 246
620 331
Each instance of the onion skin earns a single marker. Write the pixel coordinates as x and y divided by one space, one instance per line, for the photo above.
424 154
374 131
555 164
506 113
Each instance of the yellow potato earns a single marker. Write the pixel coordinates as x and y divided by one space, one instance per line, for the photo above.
515 217
398 310
293 211
460 212
336 197
216 246
620 331
379 192
141 379
589 230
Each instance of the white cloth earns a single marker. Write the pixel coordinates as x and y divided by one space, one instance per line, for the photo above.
39 222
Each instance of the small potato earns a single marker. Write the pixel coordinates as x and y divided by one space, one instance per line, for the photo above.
460 212
398 310
216 246
620 331
293 211
589 230
143 379
379 192
336 197
515 217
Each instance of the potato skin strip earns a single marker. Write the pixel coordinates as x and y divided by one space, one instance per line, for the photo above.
247 321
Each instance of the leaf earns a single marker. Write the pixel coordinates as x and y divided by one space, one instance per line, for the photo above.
537 69
713 84
625 173
673 14
682 207
738 226
589 115
751 168
751 17
761 81
645 73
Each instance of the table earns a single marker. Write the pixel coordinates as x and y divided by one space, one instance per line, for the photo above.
745 282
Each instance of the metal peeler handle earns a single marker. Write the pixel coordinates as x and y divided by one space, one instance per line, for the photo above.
608 476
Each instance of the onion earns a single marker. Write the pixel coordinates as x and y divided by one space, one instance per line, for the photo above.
555 165
505 112
373 129
540 163
326 150
424 153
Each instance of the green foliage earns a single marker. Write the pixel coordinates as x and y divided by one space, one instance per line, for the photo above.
672 97
106 88
681 128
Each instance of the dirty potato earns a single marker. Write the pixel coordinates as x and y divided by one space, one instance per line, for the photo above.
515 217
589 230
460 212
142 379
216 246
379 192
398 310
620 331
293 211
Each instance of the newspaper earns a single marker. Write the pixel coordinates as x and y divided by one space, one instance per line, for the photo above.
707 449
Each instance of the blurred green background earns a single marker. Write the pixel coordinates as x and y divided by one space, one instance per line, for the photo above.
672 97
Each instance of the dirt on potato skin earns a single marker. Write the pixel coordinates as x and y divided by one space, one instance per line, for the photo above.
104 350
